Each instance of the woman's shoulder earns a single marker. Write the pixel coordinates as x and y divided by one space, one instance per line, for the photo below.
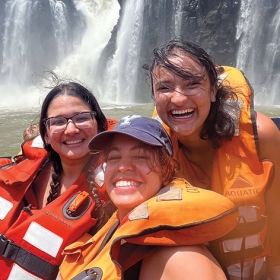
268 135
181 262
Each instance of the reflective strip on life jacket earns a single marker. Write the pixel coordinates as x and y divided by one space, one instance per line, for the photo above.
6 207
248 215
234 245
27 260
246 240
18 273
38 237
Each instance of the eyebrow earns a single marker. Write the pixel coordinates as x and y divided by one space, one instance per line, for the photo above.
68 115
163 82
136 147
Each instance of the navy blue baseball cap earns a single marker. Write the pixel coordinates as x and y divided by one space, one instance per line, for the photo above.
144 129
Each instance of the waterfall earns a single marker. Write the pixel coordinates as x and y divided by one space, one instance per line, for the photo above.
123 80
15 51
82 64
116 75
60 26
258 31
121 73
104 46
178 18
37 35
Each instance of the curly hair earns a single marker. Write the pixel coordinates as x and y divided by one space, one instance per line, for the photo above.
220 123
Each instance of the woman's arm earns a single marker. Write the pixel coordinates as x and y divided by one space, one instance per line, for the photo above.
269 139
181 262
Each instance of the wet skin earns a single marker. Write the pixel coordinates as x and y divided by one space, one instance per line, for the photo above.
183 104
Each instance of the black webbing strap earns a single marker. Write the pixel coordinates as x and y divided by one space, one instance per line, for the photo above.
130 254
229 258
246 229
108 236
27 260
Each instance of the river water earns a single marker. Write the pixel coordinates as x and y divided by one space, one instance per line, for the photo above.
14 121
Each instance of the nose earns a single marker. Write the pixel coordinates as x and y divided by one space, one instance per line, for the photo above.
179 98
71 128
126 166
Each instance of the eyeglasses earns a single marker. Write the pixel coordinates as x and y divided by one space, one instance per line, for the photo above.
81 120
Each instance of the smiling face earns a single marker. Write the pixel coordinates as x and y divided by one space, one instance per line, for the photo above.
128 176
72 143
183 104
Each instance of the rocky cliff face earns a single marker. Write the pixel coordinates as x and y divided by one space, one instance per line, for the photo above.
210 24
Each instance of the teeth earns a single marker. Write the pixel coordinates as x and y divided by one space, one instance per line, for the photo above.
181 112
126 184
73 142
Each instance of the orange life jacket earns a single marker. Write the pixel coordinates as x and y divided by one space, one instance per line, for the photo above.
15 181
34 243
17 174
238 174
5 161
179 214
31 240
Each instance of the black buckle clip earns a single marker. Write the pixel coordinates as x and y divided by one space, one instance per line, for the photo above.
3 243
94 273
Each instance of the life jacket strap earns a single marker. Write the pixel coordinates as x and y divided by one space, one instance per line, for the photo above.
246 229
127 260
229 258
26 259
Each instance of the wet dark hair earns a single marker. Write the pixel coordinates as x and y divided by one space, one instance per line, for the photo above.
70 89
220 123
167 166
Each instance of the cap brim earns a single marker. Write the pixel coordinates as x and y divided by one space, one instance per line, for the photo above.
104 139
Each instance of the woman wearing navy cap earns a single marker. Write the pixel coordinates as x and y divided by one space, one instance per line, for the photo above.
160 218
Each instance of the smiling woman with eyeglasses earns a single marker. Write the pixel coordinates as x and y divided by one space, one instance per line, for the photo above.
53 186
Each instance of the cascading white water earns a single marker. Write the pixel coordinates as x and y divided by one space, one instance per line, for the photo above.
177 18
26 50
122 70
272 54
259 51
83 49
15 66
60 26
15 51
82 65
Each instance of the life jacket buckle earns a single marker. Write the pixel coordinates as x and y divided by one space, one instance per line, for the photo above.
3 243
94 273
77 206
